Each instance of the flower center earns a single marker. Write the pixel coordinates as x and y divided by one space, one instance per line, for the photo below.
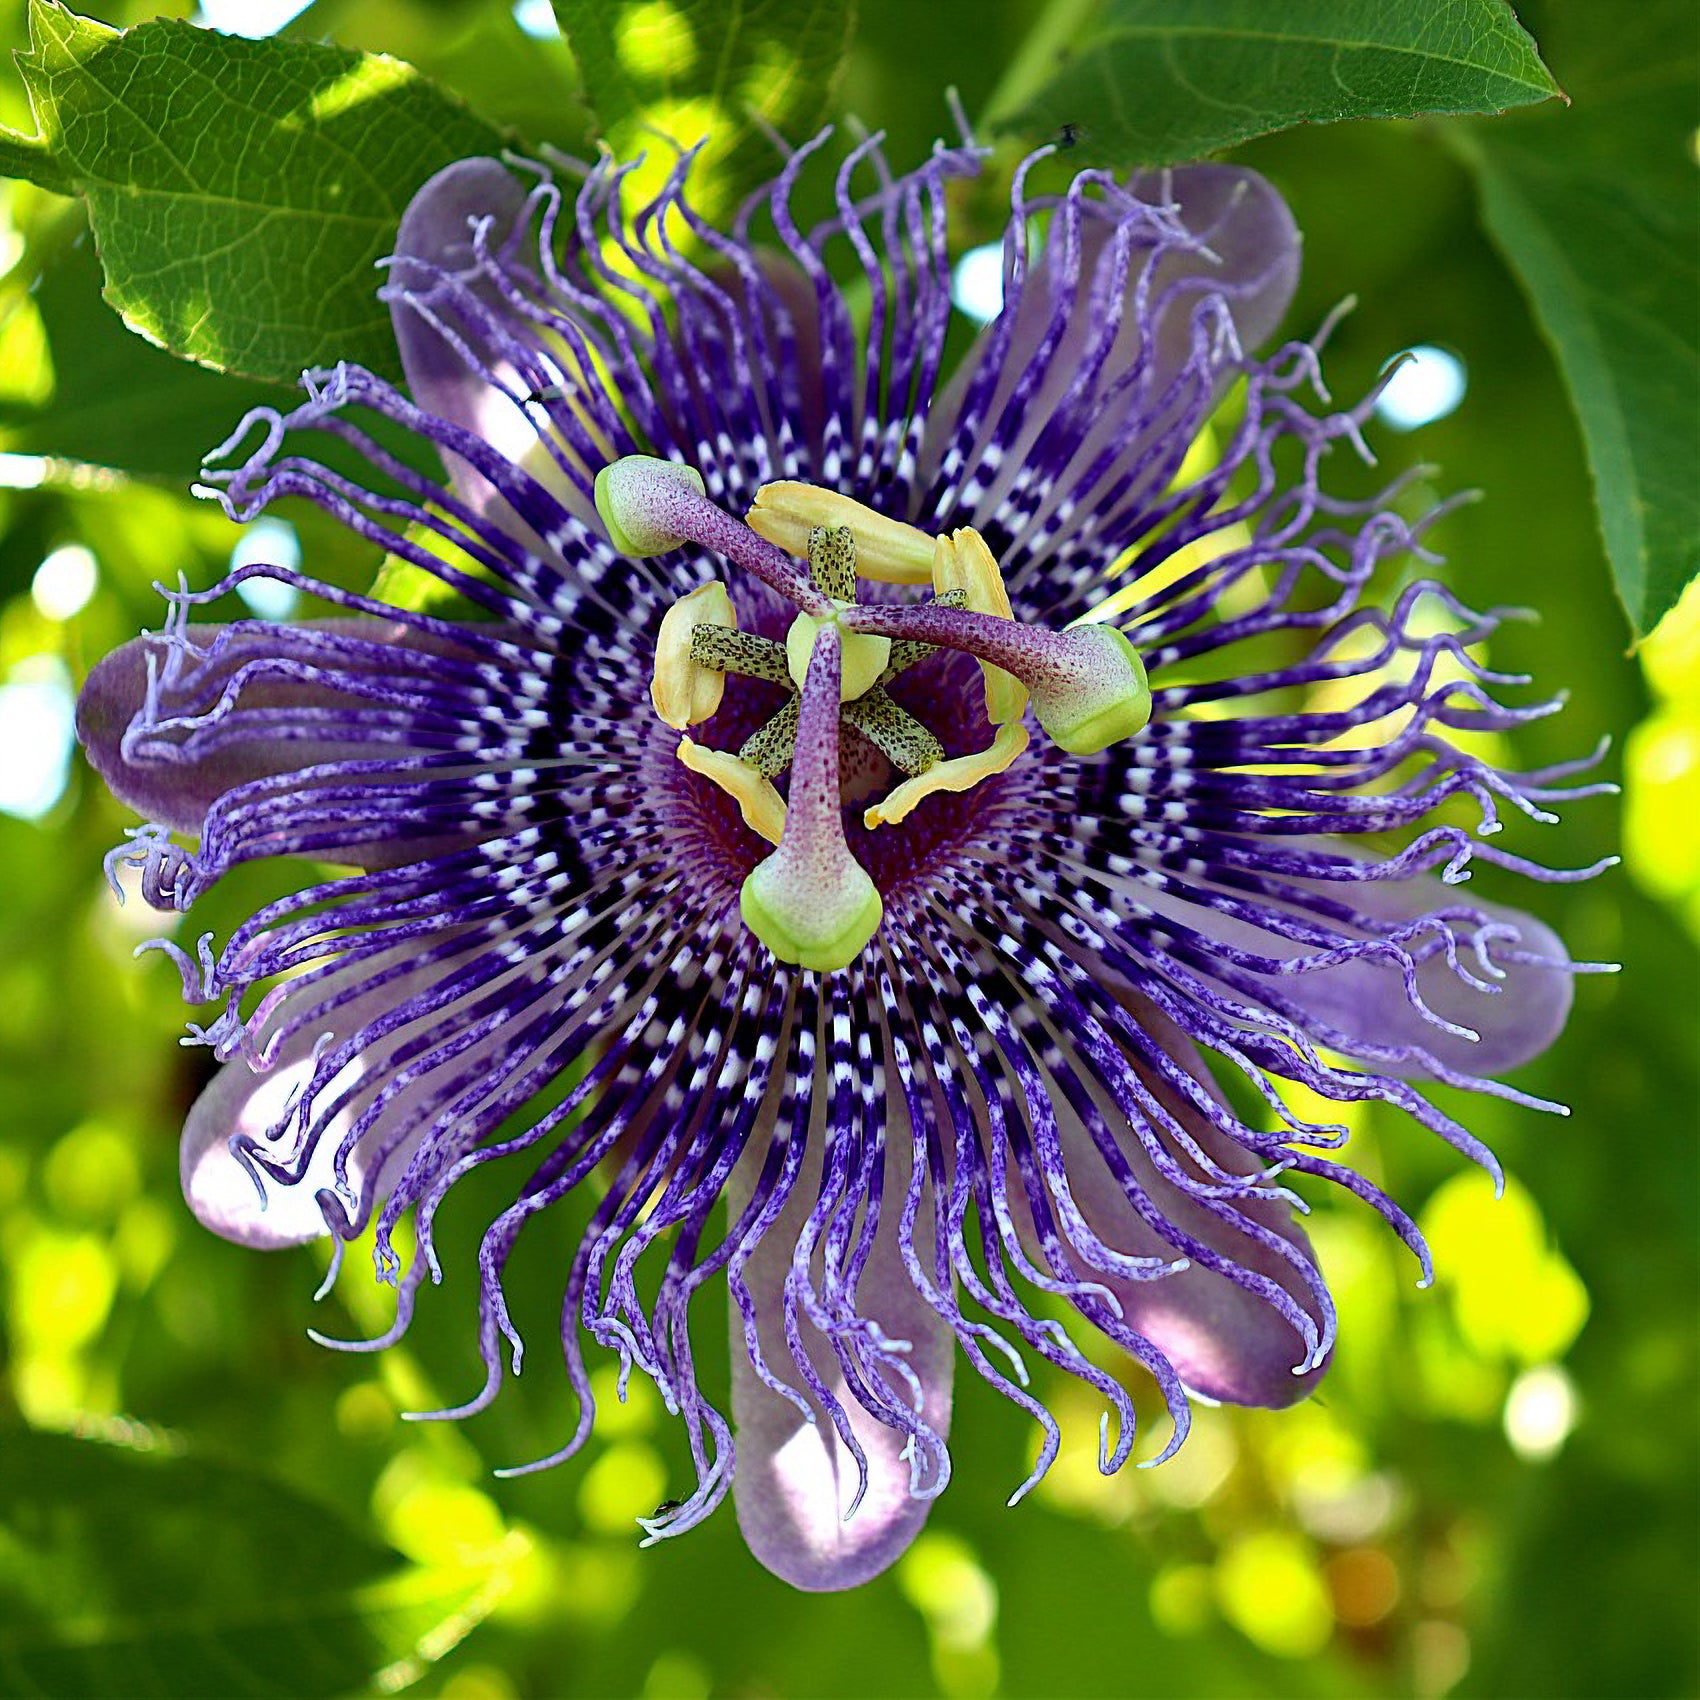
864 657
810 902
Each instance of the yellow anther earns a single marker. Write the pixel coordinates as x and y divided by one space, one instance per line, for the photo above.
685 694
961 774
863 657
762 807
963 562
887 550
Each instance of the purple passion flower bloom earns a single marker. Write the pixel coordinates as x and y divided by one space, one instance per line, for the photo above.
861 797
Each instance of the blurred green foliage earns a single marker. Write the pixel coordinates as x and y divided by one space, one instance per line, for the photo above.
1495 1492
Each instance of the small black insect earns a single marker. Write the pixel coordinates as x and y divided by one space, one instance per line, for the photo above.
1068 136
666 1509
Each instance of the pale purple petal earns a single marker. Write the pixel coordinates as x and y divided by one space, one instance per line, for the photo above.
796 1479
1516 1021
178 793
1251 248
264 1108
1224 1340
1222 1336
1517 998
434 256
179 722
223 1192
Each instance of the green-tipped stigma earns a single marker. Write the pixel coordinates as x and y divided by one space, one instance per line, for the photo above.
814 923
625 494
1108 700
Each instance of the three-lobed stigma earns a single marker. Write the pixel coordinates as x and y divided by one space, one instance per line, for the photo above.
810 902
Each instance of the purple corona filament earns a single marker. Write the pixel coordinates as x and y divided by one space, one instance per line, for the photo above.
1226 831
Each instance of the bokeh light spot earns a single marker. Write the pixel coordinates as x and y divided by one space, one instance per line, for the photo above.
1074 1483
91 1172
252 18
976 282
627 1482
64 582
26 356
1191 1478
536 18
270 543
619 1418
479 1682
1661 761
655 41
1364 1583
942 1580
945 1582
1513 1294
597 1583
23 472
365 1411
1429 384
774 73
1440 1655
431 1517
677 1676
1350 1510
1180 1599
63 1290
1540 1412
36 708
686 121
146 1236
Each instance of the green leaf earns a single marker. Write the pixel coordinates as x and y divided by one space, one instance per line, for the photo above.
137 1572
1613 286
724 69
1152 82
241 191
1610 261
31 159
113 400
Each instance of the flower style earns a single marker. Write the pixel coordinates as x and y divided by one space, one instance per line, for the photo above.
1091 755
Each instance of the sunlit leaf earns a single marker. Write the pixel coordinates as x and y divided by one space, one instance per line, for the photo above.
133 1571
1156 81
241 191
